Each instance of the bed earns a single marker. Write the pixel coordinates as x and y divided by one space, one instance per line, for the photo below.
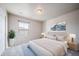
47 46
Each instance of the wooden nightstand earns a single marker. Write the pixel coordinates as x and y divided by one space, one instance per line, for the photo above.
72 45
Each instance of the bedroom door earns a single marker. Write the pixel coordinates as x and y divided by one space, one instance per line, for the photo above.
2 31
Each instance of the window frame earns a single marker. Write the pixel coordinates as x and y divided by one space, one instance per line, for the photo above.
23 29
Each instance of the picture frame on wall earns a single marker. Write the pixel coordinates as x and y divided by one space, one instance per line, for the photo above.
59 26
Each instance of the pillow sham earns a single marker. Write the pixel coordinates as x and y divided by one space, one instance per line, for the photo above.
53 37
60 38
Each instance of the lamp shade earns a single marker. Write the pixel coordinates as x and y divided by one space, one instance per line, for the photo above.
42 33
73 35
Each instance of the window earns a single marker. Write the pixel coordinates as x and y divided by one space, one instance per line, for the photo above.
23 25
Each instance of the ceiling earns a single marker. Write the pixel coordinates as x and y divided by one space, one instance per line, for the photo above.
51 10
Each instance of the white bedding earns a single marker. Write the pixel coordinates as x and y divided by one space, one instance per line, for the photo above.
48 47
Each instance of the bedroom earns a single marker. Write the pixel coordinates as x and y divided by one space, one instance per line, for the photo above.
29 22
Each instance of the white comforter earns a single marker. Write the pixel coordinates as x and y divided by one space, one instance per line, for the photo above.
48 47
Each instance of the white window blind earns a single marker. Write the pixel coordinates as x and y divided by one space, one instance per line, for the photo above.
23 25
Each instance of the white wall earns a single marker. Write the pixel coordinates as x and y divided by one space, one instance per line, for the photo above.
24 36
71 19
3 30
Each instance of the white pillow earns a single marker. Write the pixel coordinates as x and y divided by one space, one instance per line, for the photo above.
51 37
60 38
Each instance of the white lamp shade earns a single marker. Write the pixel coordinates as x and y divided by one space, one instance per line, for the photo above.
42 33
73 35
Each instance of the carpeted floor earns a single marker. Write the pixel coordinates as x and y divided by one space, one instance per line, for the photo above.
72 53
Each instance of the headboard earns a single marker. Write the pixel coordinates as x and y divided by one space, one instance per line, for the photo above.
58 33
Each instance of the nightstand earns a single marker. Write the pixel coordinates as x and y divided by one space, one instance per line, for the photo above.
72 46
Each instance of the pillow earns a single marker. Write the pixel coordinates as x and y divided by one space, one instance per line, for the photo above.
60 38
53 37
